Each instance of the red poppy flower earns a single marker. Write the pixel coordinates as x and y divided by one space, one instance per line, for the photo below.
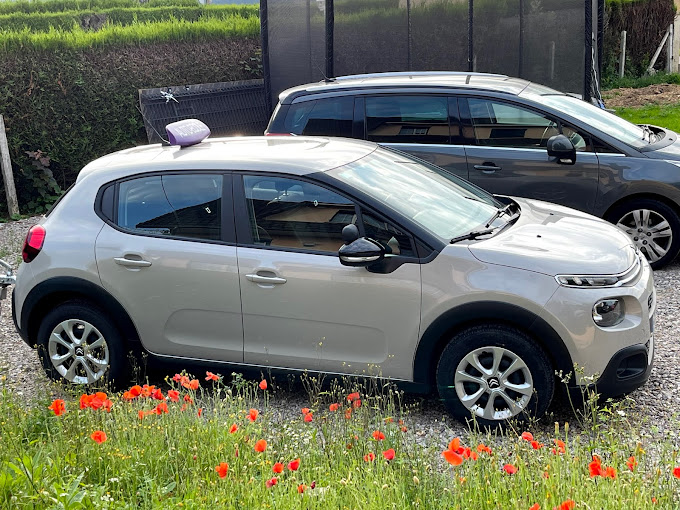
183 408
676 472
348 413
294 465
595 467
481 447
128 396
200 411
404 428
277 468
561 447
454 445
308 417
58 407
107 405
353 396
610 472
305 410
194 384
157 394
452 457
161 408
140 414
253 414
566 505
263 384
136 390
176 377
209 376
271 482
356 404
98 436
527 436
510 469
369 457
147 390
653 500
173 395
95 402
233 428
222 469
545 475
389 454
260 445
388 420
536 445
301 488
378 436
535 506
631 463
333 407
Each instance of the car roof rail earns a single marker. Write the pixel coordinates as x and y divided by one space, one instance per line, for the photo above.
414 73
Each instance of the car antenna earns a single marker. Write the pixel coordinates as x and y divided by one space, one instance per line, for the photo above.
325 78
164 142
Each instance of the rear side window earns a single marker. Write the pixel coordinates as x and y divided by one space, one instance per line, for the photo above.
323 117
407 119
188 206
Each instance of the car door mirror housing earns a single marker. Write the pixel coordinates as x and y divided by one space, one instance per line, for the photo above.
361 252
560 147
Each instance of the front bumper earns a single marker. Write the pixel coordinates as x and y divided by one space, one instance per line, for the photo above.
628 369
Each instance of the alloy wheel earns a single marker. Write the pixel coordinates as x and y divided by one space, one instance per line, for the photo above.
650 232
78 351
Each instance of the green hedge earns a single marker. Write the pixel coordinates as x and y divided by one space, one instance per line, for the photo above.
33 6
43 21
76 103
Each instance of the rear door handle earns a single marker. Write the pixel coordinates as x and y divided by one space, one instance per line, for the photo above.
265 279
122 261
488 168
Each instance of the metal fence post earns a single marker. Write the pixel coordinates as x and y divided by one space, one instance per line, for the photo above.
7 176
622 58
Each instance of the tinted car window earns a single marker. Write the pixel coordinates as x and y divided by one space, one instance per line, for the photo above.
172 205
499 124
324 117
407 119
290 213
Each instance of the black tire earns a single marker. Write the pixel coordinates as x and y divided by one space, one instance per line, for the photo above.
114 376
623 212
513 342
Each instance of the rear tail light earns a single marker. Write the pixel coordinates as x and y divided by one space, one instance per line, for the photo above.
33 242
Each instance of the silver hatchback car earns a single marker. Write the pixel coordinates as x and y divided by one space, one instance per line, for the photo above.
335 256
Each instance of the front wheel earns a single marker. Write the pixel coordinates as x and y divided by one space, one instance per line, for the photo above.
495 373
78 344
653 226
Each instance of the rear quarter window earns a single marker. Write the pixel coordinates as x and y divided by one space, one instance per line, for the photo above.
323 117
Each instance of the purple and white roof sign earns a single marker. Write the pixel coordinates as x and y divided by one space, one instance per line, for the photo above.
187 132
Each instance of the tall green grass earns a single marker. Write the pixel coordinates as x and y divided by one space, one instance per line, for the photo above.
33 6
135 34
43 21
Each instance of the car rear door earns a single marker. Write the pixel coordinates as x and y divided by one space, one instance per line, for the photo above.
167 254
424 125
302 309
506 149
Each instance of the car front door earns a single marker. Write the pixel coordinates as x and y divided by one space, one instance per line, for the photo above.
506 148
302 309
426 126
167 254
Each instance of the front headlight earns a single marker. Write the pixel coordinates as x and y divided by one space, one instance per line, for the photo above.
609 312
628 277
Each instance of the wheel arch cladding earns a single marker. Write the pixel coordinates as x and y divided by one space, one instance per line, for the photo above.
443 328
55 291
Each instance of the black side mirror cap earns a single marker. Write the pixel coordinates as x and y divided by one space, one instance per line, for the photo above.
560 147
361 253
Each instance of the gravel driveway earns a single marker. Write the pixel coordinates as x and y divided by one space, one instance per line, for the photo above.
654 412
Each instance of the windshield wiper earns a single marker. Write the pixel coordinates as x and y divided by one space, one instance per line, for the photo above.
646 130
473 235
498 214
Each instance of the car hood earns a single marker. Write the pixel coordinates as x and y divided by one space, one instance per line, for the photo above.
552 239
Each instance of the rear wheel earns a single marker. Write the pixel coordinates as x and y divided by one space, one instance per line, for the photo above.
78 344
653 226
495 373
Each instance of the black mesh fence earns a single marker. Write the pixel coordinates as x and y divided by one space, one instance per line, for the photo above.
227 108
546 41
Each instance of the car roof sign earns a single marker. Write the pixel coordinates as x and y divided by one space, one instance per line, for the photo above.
187 132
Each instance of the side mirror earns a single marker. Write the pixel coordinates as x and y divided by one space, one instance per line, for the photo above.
560 147
361 252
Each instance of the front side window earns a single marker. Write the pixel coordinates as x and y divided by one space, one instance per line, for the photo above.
393 240
407 119
498 124
290 213
321 117
187 206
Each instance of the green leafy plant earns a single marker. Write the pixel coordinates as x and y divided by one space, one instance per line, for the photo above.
42 182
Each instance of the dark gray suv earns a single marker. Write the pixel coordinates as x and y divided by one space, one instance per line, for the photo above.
511 137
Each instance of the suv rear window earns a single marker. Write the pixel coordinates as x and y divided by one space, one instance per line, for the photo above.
324 117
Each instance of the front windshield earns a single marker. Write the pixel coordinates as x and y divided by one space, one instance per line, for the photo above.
598 118
432 197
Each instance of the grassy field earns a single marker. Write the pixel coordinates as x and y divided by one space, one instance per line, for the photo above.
203 444
667 116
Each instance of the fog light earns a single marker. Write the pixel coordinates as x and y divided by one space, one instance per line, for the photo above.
608 312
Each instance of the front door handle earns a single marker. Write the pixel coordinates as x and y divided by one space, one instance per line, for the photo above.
488 168
122 261
265 279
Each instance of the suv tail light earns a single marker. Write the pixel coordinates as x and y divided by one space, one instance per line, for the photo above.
33 242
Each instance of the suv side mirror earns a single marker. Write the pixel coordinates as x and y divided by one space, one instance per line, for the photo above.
560 147
361 252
